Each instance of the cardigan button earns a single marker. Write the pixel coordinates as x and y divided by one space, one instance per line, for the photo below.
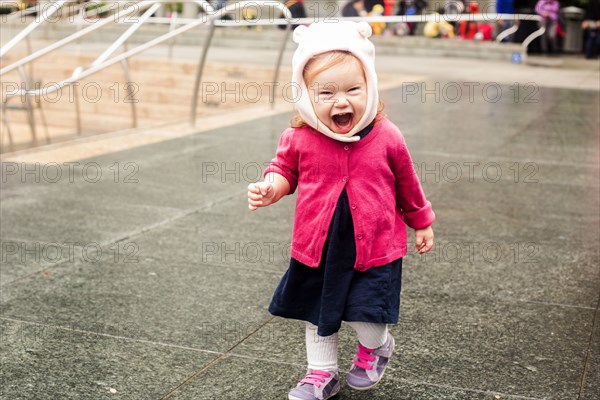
360 236
345 179
346 147
354 206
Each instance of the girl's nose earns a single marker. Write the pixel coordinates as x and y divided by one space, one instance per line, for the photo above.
341 101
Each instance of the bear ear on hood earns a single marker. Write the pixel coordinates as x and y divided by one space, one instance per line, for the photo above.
364 29
299 33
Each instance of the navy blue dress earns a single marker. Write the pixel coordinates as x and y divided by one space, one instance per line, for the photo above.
335 291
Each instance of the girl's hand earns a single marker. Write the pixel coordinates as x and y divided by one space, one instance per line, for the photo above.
260 194
423 239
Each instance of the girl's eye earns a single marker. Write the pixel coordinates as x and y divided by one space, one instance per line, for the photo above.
325 93
354 89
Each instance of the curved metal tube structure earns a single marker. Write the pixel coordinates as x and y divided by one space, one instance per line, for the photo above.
213 18
32 26
219 14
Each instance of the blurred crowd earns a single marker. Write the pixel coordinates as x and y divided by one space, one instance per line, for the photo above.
552 12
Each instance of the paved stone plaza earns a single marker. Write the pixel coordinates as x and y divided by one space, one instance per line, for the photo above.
141 274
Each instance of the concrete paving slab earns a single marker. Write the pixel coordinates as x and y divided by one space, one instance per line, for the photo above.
432 120
591 388
506 256
472 345
570 281
180 304
518 350
440 169
207 239
65 212
131 185
22 258
561 133
234 378
198 169
43 362
142 175
55 219
524 200
550 128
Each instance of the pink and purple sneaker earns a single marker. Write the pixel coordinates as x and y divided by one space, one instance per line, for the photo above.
316 385
369 365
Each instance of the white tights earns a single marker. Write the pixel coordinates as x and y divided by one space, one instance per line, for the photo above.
321 351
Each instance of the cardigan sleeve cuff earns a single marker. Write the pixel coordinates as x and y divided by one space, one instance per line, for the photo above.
421 218
288 177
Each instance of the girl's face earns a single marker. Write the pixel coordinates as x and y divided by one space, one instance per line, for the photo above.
338 94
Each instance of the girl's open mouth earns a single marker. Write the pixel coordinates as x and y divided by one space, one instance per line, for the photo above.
343 122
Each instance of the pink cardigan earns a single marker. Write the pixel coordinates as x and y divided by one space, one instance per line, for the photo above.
383 190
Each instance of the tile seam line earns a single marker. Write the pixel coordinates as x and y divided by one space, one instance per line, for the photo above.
586 361
89 139
228 353
458 388
153 342
223 356
108 335
218 265
455 388
505 159
134 233
523 130
545 303
509 81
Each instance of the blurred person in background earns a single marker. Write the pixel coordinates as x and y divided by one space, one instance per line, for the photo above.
438 28
454 7
473 30
409 8
504 7
377 27
220 4
548 10
354 8
591 29
369 4
297 10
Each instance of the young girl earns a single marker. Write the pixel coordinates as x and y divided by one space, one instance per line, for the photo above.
357 190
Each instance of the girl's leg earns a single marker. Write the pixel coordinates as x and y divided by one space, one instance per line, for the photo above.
369 334
322 380
544 38
375 347
552 39
321 351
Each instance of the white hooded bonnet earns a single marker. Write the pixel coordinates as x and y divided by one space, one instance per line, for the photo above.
321 37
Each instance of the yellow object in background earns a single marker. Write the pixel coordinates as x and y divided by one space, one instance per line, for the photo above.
378 27
441 28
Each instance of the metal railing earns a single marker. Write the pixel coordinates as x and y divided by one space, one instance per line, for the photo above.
103 61
46 14
213 19
490 18
27 80
298 21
